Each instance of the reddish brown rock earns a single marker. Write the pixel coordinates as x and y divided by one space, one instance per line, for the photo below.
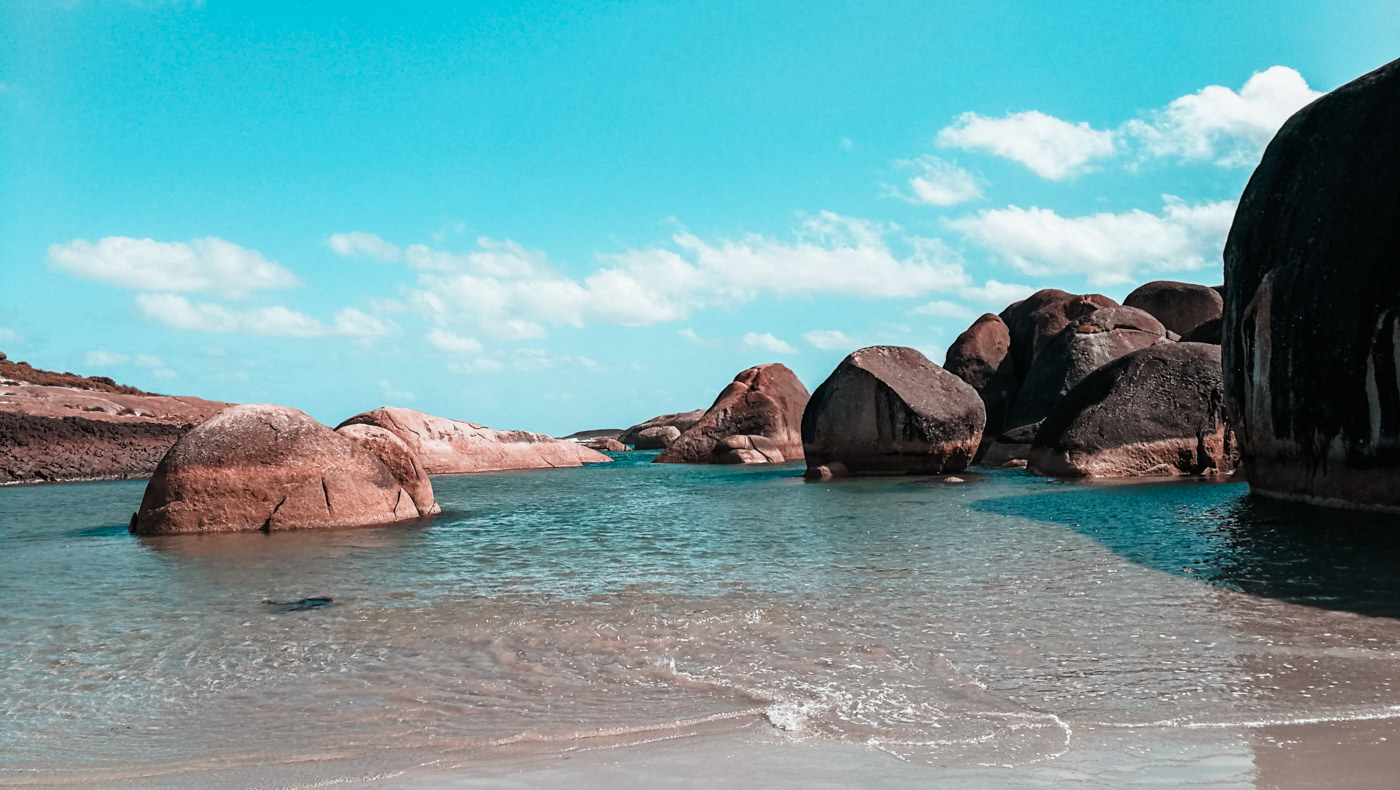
766 400
1081 348
264 467
1181 307
981 357
607 445
396 455
1156 411
682 422
1311 327
657 437
746 449
889 410
450 447
1036 320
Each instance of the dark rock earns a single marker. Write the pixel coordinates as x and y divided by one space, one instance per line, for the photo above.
981 357
766 400
1034 321
746 449
657 437
682 422
889 410
1208 332
282 607
1181 307
1081 348
1312 304
264 467
1156 411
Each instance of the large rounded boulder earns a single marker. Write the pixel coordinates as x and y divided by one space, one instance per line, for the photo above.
401 461
889 410
766 400
1157 411
1036 320
1311 328
981 356
1181 307
263 467
1078 350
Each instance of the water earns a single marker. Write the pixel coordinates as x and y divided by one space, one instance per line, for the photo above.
1009 621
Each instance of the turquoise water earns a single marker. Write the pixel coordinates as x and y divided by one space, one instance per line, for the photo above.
1000 621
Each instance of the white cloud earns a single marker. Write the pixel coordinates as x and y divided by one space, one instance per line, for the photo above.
939 183
207 264
8 335
1219 124
104 359
830 340
1106 248
508 290
765 341
444 340
177 312
945 309
997 293
355 243
1050 147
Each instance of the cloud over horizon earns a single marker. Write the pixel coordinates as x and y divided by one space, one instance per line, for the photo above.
207 264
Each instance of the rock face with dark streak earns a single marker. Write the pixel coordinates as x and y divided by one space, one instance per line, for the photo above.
889 410
1078 350
1034 321
766 400
1181 307
450 447
682 422
981 357
396 455
264 467
1312 310
1156 411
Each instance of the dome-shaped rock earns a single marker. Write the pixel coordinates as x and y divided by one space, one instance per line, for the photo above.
1155 411
981 357
450 447
401 462
1036 320
746 449
1311 328
766 400
889 410
657 437
264 467
1181 307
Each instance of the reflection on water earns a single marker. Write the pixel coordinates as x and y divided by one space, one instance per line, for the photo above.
1008 621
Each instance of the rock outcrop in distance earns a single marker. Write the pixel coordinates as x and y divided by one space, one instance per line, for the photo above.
1156 411
260 467
606 444
766 400
1311 327
660 431
61 427
889 410
448 447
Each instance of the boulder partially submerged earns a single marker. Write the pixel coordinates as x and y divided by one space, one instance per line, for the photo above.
401 461
655 428
1156 411
766 400
1311 327
269 468
746 449
449 447
889 410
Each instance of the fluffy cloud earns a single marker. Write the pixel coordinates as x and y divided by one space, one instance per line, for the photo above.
996 293
945 309
830 340
177 312
1218 123
510 291
1050 147
1106 248
939 183
357 243
765 341
443 340
207 264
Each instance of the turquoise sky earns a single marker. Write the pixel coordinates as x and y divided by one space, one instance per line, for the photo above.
558 217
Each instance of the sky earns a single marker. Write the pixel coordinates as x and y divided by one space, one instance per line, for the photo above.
559 217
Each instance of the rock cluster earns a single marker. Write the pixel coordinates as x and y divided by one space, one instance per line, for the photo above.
765 401
660 431
1311 326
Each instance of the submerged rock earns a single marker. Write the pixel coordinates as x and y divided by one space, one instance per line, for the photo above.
1311 327
889 410
1157 411
766 401
448 447
264 467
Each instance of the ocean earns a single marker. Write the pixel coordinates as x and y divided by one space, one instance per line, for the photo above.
1008 630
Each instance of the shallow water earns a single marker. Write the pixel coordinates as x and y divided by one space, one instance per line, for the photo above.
1006 621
